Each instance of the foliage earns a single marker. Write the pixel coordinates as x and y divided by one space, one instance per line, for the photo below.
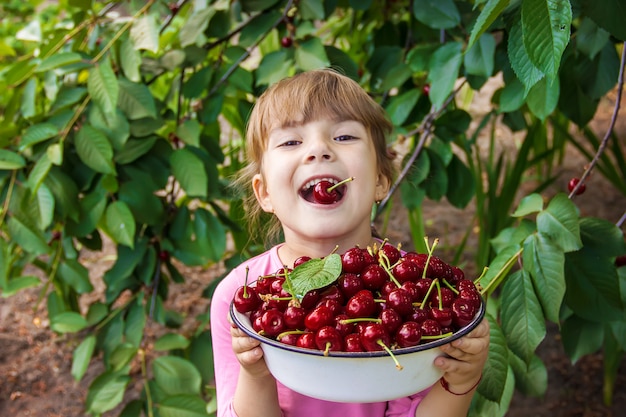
123 119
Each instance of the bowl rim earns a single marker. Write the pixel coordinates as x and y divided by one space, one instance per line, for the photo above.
234 314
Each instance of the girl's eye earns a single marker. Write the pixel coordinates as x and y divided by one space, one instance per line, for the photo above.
290 143
343 138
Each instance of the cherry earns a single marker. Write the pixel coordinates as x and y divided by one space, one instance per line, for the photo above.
573 183
361 304
400 300
332 304
325 192
423 285
299 261
320 316
445 299
442 315
430 327
412 289
352 343
374 277
457 275
408 334
620 261
263 284
307 341
328 339
390 319
466 284
164 255
437 268
426 90
353 260
418 315
463 312
349 284
332 293
289 338
406 270
343 327
246 299
294 317
272 322
374 337
286 41
470 295
310 299
388 252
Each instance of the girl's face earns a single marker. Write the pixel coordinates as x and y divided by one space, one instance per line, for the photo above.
299 156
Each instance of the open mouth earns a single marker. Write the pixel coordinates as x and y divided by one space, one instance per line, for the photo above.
306 192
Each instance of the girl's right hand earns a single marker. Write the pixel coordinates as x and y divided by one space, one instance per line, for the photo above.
248 352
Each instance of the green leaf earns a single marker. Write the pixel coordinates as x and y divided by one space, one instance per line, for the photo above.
529 204
120 223
17 284
490 12
581 337
135 100
479 59
106 392
37 133
103 87
95 150
10 160
313 274
274 66
546 28
67 322
311 54
45 207
444 71
115 126
121 356
312 10
75 275
133 149
58 60
608 14
27 236
590 38
436 184
402 105
130 60
145 33
461 183
544 261
183 406
522 318
29 91
437 14
543 98
82 357
189 170
189 131
171 341
176 375
531 379
559 221
496 368
521 64
192 31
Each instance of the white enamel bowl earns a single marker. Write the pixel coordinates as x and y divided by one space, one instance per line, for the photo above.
360 377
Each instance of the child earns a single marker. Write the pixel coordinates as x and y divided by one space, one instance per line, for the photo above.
319 125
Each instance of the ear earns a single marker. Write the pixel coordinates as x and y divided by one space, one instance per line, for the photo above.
382 187
261 193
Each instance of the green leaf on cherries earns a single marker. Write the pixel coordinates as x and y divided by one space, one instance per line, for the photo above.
313 274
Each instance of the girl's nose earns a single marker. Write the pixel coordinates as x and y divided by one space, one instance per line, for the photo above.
319 151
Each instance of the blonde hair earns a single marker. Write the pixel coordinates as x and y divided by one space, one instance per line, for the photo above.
302 98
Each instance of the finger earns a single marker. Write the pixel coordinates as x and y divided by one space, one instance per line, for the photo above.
243 344
250 357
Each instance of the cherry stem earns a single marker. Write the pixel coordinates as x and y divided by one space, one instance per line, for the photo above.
439 294
436 337
430 289
340 183
387 268
430 253
450 286
288 332
245 284
359 319
382 344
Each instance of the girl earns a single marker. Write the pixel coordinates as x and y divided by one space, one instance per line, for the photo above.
319 125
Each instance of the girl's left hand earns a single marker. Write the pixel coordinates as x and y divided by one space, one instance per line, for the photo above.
466 358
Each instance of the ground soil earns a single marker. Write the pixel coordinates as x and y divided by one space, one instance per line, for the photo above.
35 363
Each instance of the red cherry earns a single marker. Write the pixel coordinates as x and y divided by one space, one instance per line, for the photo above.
447 297
246 299
406 270
352 343
620 261
164 255
353 260
322 195
361 304
430 327
294 317
400 300
349 284
390 319
299 261
388 252
374 336
408 334
289 339
310 299
344 328
418 315
573 183
320 316
443 315
426 90
307 341
374 277
463 312
286 41
272 322
328 339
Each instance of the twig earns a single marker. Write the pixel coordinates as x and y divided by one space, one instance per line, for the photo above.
607 135
248 52
426 128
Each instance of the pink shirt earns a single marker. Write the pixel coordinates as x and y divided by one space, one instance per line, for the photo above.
291 403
